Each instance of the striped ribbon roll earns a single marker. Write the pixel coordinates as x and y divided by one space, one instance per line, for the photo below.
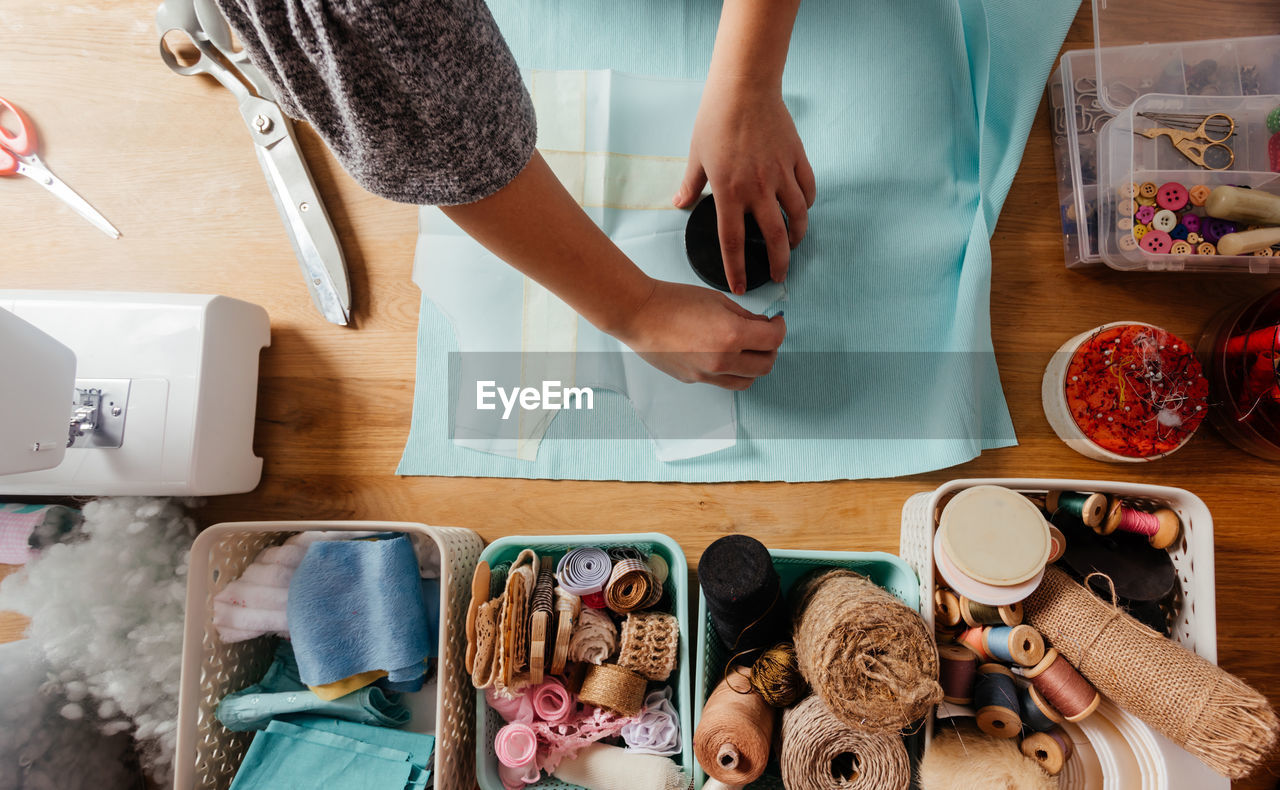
632 586
584 570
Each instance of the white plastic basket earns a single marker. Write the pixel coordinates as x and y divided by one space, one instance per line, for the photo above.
1193 622
208 755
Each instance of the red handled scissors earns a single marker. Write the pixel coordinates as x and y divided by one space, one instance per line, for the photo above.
18 157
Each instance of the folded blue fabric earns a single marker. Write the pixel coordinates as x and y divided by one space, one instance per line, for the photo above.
281 691
357 606
419 746
276 761
914 114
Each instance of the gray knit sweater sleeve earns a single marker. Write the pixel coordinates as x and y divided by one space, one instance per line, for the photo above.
420 100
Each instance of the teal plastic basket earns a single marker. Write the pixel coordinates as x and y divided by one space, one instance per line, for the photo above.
505 550
886 570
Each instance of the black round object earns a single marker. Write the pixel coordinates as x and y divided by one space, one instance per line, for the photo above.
702 245
1141 574
743 593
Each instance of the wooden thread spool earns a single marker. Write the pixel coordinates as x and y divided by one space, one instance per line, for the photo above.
957 671
1161 528
1021 644
1051 749
975 640
1057 544
1063 687
946 609
1089 508
977 614
1037 714
996 698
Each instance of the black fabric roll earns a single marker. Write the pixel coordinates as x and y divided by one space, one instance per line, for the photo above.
743 594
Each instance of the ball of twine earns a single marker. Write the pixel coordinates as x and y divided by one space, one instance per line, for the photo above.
819 752
776 676
866 654
614 688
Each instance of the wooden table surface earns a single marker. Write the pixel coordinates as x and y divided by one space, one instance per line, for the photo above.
167 160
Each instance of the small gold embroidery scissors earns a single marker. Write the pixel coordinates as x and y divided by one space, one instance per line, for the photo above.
1192 141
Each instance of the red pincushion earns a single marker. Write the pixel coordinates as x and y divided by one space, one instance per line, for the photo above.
1119 406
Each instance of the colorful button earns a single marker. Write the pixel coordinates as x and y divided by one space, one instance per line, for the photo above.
1267 253
1128 243
1148 190
1180 248
1156 241
1144 214
1164 220
1128 190
1194 238
1127 207
1139 231
1143 200
1192 221
1172 196
1198 194
1125 223
1213 229
1206 248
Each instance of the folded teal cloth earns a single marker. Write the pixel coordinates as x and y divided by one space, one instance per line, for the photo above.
914 115
357 606
276 761
417 778
417 745
281 692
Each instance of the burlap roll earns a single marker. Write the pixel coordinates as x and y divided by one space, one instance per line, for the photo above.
819 752
1209 712
865 653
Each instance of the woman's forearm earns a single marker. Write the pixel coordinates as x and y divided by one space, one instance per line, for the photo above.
535 225
752 42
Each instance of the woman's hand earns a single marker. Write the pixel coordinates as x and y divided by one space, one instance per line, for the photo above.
746 145
697 334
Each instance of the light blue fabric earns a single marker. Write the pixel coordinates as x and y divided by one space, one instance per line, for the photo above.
282 692
419 746
357 606
276 761
914 114
418 776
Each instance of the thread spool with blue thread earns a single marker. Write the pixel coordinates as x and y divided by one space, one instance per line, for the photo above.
978 614
1090 508
995 696
1021 644
1037 715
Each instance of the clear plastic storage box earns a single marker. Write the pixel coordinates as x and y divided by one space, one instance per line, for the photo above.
1148 59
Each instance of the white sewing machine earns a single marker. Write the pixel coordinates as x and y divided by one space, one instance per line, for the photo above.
113 393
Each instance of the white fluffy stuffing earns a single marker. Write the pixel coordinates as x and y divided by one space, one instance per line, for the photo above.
41 750
106 613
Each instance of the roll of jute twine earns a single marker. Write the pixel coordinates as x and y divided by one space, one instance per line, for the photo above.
867 655
631 586
1209 712
614 688
820 752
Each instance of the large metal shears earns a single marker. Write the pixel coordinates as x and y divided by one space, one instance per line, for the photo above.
1194 143
310 231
